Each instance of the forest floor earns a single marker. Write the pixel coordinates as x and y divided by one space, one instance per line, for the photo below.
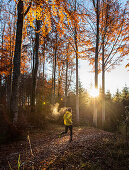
90 149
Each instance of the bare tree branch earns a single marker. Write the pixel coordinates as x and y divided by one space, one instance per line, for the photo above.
28 8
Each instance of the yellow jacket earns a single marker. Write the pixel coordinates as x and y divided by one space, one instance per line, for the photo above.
68 118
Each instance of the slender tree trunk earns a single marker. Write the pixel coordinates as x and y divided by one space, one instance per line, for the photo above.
9 78
32 101
16 62
1 59
103 61
23 91
43 77
43 73
59 90
77 94
66 82
52 82
35 67
96 61
103 85
59 79
54 78
97 45
43 69
0 86
55 56
8 92
103 58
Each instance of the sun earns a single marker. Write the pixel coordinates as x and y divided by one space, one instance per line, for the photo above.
94 92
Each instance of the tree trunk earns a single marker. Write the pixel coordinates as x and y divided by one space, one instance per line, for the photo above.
59 89
54 83
66 82
59 81
97 45
23 91
103 61
16 62
8 91
0 87
76 48
43 69
43 77
1 58
77 97
96 61
103 85
35 66
9 78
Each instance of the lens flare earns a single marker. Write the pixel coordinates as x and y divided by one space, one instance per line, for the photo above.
94 92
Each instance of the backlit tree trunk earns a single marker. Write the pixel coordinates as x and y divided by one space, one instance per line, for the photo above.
76 51
96 58
52 81
103 85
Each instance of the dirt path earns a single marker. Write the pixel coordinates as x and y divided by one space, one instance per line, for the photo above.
88 150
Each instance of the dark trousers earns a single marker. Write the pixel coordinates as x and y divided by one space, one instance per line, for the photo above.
66 130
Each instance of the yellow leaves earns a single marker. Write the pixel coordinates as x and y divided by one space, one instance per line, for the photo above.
127 65
92 49
61 14
88 42
30 18
43 30
48 12
38 12
54 10
126 39
121 49
24 62
5 64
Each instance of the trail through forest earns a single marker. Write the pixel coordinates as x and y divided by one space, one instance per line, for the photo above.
90 149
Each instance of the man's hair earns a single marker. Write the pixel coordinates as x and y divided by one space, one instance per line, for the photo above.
69 109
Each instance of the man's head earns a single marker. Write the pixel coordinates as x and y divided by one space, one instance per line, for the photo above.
69 109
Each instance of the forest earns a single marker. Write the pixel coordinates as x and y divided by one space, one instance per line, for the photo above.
42 44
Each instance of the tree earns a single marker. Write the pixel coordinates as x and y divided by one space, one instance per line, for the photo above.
125 96
97 12
17 59
117 96
112 19
35 65
76 52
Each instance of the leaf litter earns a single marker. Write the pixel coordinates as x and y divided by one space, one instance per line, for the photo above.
90 149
